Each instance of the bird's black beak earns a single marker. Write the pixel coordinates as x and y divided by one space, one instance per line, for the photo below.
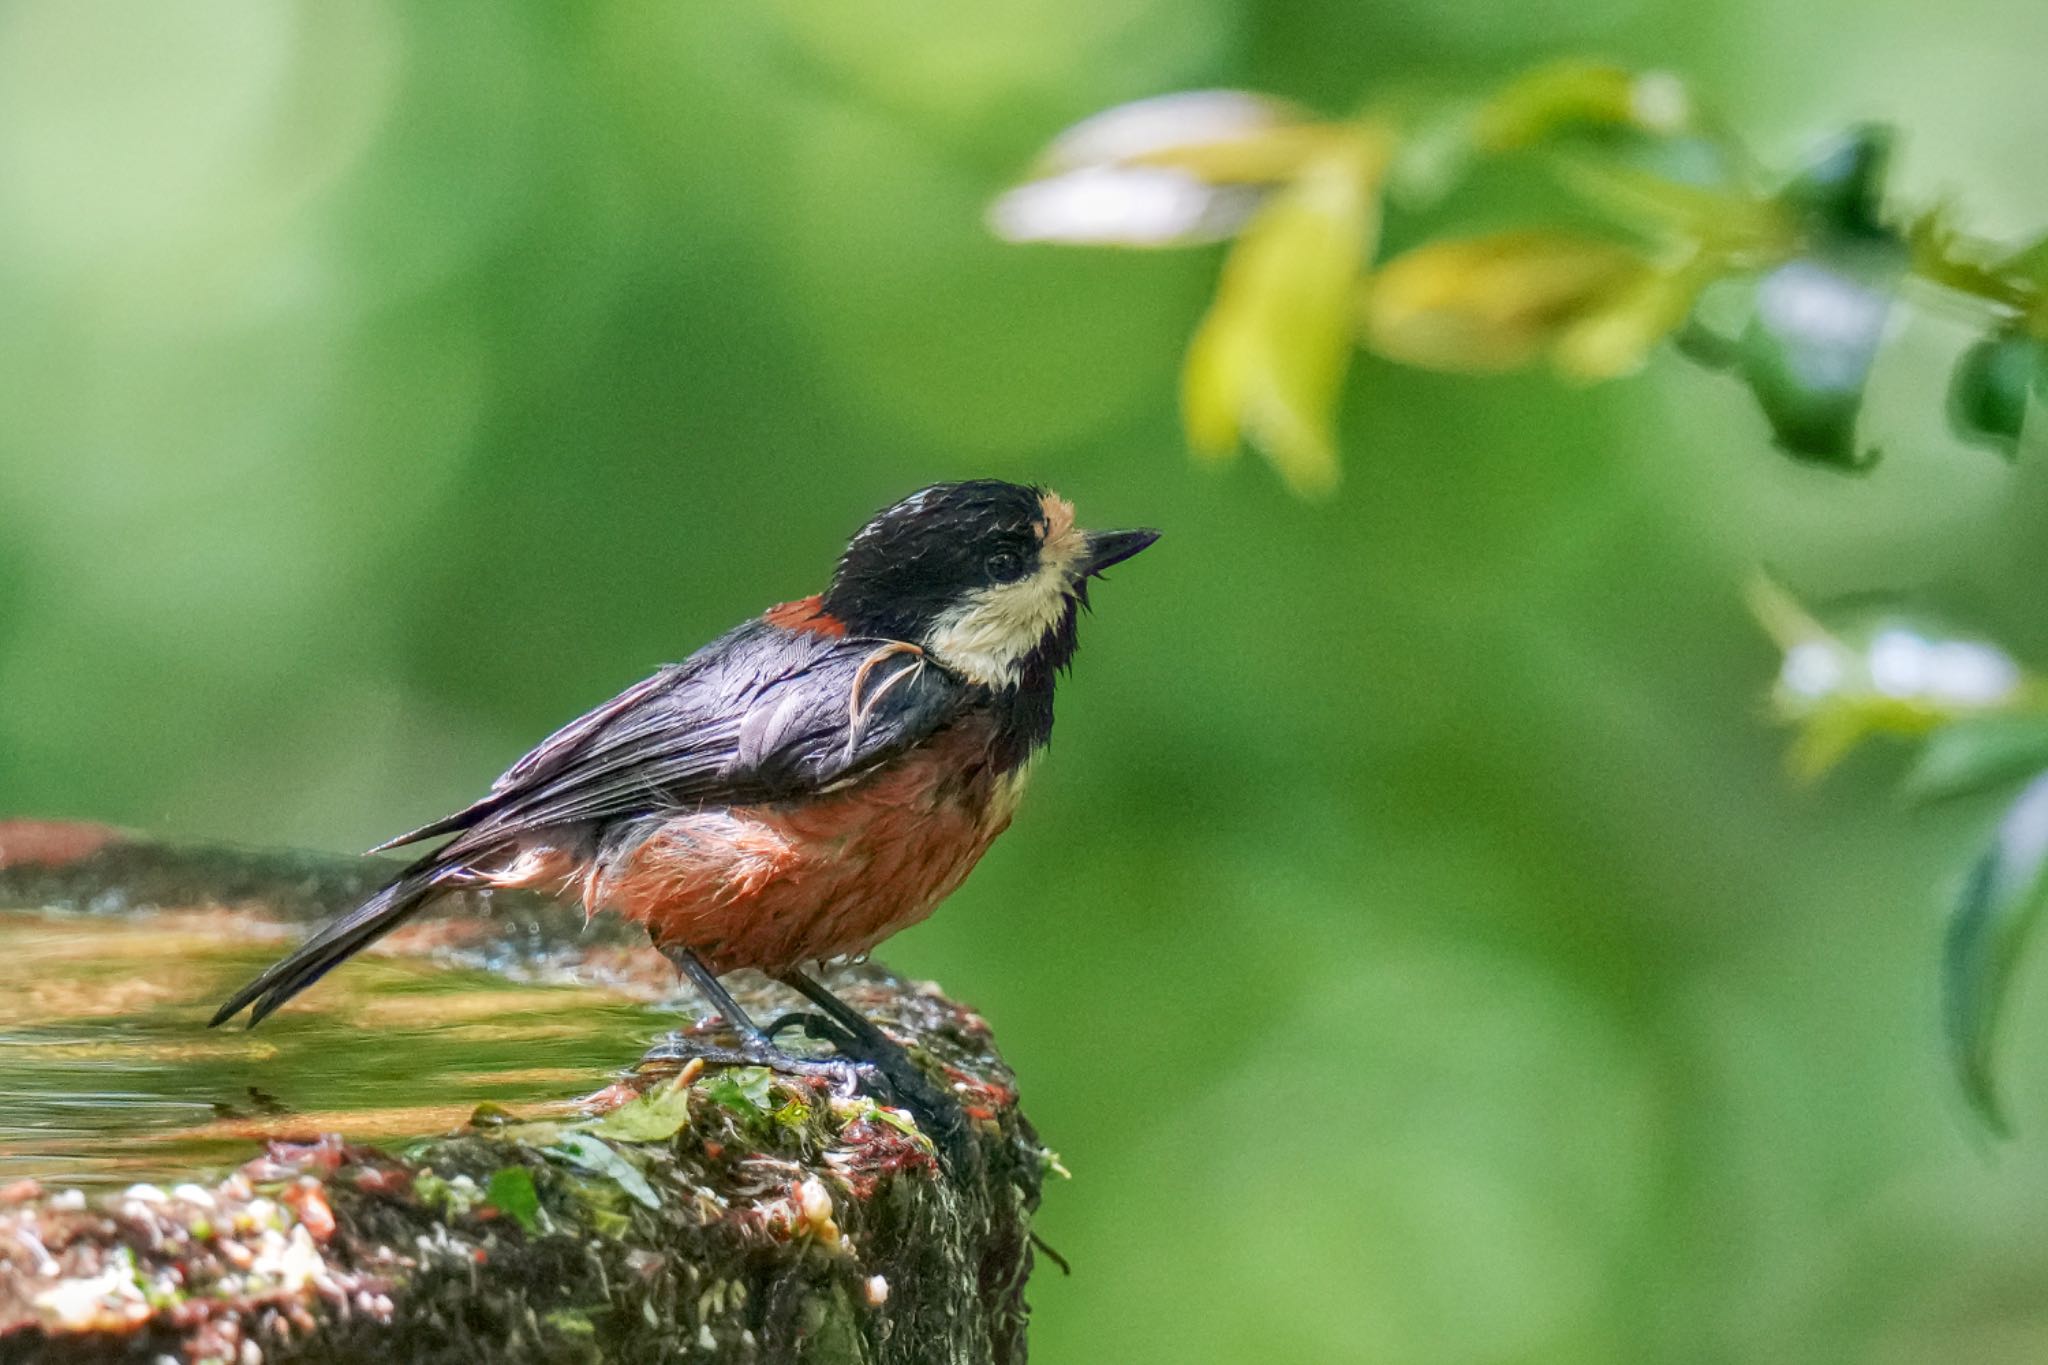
1114 547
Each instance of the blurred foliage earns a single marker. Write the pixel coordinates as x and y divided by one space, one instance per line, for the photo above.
384 385
1984 723
1824 255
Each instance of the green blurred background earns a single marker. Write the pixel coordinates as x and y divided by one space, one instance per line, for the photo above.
1411 944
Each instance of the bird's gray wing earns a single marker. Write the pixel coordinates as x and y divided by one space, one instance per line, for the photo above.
761 714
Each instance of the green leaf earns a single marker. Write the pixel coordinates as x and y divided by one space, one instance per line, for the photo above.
1976 754
592 1154
1819 317
745 1090
1718 217
2029 263
2000 905
1809 347
511 1193
1841 190
1988 394
656 1116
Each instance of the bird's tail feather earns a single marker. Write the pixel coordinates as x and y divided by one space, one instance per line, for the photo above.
335 944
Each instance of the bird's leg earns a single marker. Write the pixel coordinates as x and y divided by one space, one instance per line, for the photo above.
756 1047
937 1112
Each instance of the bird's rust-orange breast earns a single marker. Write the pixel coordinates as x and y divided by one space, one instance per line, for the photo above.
775 887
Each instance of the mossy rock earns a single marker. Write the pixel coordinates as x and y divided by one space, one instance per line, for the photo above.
695 1212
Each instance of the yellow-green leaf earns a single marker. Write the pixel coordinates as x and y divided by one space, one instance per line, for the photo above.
1721 220
1499 301
656 1116
1268 361
1580 93
1618 330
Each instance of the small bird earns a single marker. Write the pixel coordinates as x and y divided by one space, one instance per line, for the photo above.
803 786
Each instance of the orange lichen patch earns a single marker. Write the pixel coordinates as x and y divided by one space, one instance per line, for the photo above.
870 1151
306 1199
612 1096
51 843
806 613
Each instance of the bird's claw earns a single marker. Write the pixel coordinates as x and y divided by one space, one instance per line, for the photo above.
876 1066
846 1076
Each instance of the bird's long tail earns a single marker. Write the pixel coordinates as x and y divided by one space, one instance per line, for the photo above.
336 943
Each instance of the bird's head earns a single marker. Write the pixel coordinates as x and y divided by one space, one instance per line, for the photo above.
985 576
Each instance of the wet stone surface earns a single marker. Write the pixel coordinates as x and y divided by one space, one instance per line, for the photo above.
436 1154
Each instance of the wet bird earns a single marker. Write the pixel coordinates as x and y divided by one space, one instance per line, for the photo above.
800 788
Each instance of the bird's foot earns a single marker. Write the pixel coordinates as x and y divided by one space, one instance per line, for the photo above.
902 1083
870 1063
846 1075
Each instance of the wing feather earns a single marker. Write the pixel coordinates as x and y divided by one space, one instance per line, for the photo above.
762 714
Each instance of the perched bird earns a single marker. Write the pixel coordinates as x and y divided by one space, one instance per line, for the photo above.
803 786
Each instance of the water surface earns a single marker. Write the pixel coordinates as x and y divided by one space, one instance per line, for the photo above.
109 1074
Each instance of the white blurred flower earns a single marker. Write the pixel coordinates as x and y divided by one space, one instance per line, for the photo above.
1135 206
1174 170
1166 124
1813 669
1890 678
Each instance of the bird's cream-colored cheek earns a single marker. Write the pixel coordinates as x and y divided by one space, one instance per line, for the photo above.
988 637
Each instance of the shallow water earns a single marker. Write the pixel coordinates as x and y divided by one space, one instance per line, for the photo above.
109 1074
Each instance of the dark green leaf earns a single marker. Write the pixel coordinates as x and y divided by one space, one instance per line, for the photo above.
1807 353
511 1193
1987 396
1841 191
1999 907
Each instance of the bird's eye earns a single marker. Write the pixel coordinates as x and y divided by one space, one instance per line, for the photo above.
1005 566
